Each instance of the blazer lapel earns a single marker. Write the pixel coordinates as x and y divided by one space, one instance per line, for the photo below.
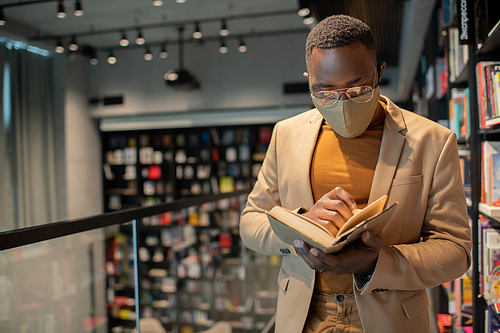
391 147
305 149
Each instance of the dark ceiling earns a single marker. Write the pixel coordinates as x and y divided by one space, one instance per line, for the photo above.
383 16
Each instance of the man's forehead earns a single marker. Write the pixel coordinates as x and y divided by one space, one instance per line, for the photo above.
339 60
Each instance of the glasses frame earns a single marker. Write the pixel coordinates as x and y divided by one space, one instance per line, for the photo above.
324 101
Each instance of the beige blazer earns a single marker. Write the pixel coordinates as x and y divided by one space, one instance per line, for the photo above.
426 243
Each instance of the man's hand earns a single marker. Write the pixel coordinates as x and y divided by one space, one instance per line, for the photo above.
362 258
333 209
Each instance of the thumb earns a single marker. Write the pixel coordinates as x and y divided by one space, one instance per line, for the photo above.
371 240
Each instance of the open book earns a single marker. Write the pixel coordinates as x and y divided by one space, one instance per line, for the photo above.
289 226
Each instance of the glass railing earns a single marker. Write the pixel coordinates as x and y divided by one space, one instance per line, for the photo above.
183 261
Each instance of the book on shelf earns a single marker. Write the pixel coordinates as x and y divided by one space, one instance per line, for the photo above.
459 112
488 92
492 324
465 170
489 148
289 226
488 256
495 179
458 55
441 73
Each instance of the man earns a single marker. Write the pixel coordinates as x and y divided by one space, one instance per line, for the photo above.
353 148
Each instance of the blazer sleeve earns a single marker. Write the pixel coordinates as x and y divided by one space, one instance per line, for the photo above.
255 229
443 252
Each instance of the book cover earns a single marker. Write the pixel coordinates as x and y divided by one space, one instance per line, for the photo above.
489 148
495 179
289 226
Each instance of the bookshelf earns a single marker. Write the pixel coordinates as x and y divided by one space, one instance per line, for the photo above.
464 71
193 269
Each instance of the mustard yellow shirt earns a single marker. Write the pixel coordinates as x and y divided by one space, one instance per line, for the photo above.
350 164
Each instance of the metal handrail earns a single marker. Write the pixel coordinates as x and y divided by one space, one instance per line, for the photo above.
270 325
29 235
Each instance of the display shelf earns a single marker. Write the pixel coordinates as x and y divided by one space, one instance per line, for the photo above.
492 43
489 131
491 211
462 78
463 140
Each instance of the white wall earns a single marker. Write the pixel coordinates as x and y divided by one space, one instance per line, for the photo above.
228 81
83 145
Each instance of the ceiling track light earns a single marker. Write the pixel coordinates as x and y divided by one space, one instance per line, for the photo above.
197 34
140 40
73 46
61 12
223 30
223 48
124 42
59 46
148 56
242 48
304 9
308 20
93 60
157 3
111 58
78 8
163 52
2 17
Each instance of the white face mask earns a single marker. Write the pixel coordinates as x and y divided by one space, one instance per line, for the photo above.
350 119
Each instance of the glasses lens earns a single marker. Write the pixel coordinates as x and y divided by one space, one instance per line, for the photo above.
360 94
326 98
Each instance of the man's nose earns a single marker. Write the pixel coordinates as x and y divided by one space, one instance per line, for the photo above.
343 96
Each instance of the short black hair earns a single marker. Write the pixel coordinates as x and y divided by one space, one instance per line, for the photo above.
337 31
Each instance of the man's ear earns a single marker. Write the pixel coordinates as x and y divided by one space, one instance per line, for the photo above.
380 69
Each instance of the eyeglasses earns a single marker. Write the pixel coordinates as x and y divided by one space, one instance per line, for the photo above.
327 98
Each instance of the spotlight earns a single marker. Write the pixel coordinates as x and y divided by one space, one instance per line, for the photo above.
124 41
61 13
197 34
171 75
223 48
163 52
148 56
73 46
157 3
242 48
140 40
223 30
59 47
94 61
308 20
111 58
303 8
180 1
78 8
2 17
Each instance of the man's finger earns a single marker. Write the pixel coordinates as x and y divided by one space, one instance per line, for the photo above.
340 194
334 207
371 240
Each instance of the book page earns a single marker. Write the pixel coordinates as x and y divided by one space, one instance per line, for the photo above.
284 215
369 211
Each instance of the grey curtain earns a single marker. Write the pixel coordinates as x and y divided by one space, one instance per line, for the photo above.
27 138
